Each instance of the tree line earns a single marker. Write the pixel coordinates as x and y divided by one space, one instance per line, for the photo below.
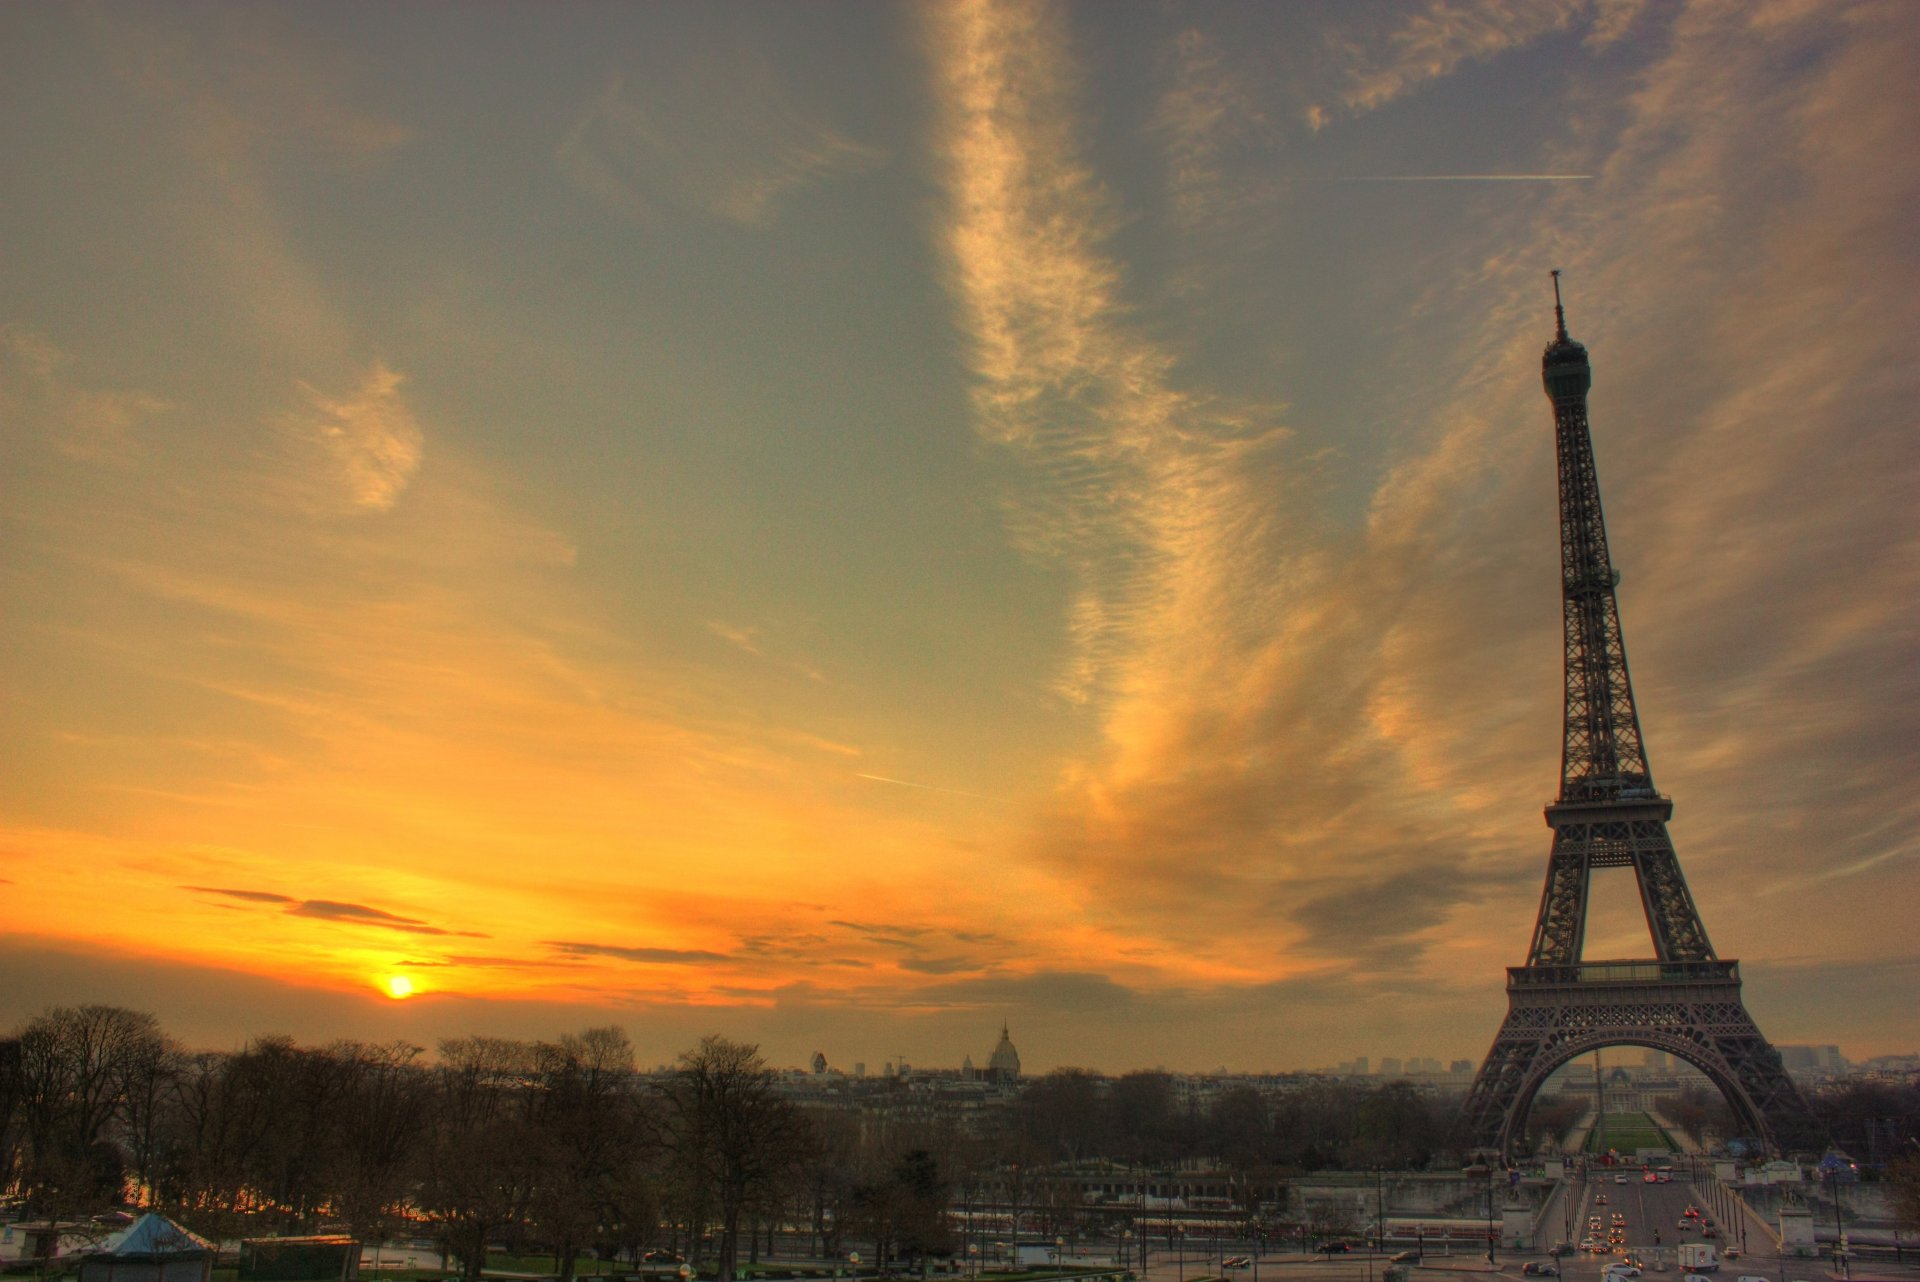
561 1146
552 1146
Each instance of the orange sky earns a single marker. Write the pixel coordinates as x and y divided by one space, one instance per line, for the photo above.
724 519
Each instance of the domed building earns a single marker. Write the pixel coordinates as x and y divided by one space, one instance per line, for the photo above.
1003 1066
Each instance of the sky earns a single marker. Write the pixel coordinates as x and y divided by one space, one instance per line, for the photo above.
845 524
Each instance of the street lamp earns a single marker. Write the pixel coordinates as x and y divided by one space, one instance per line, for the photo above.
1839 1231
1492 1237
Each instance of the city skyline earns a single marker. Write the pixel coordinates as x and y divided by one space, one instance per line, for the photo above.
841 526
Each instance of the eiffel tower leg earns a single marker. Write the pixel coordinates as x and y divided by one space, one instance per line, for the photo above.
1491 1109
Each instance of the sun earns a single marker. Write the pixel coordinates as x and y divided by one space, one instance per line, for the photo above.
398 987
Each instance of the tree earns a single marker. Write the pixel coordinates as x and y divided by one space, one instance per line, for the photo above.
1903 1189
729 1133
1064 1111
904 1213
587 1127
71 1069
383 1120
482 1160
1146 1126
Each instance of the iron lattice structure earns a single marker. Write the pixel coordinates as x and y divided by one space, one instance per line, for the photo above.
1684 1000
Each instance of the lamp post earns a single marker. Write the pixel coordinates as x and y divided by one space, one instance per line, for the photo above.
1839 1231
1492 1237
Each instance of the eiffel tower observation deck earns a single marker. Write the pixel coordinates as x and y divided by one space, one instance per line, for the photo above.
1683 1000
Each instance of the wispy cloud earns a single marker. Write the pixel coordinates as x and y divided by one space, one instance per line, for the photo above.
1309 718
249 896
638 148
1454 178
1431 41
334 910
927 787
649 956
38 384
371 435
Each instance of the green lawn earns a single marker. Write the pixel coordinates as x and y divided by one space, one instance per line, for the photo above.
1628 1133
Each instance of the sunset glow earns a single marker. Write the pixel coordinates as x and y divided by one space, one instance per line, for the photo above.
843 527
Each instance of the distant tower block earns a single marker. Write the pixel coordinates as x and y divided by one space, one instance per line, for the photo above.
1683 1001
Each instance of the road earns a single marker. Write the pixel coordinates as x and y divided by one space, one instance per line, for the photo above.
1652 1230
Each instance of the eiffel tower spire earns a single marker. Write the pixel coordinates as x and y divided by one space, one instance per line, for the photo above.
1684 1000
1607 813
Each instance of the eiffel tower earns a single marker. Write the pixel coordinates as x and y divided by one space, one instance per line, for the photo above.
1684 1000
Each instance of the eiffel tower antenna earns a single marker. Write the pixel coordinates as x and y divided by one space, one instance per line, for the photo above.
1683 1000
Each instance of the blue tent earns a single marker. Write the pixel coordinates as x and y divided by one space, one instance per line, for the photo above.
151 1249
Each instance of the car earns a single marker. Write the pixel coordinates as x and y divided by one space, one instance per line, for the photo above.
1692 1212
1403 1257
1749 1277
1331 1248
1235 1262
1532 1270
1559 1249
1731 1253
1619 1179
1617 1271
1707 1230
1601 1200
1593 1221
1649 1178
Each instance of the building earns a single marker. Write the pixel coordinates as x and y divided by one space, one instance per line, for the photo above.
1003 1066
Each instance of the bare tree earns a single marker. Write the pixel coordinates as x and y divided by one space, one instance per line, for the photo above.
483 1158
383 1120
72 1066
588 1128
730 1133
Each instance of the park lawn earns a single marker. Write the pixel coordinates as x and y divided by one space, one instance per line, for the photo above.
1627 1133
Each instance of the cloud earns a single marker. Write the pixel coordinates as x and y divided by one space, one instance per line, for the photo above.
1392 919
246 90
1431 41
250 896
1215 132
742 638
334 910
900 934
938 965
651 956
371 435
641 149
37 383
361 915
1323 740
1042 990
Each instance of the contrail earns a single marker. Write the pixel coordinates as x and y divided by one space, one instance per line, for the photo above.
908 783
1456 178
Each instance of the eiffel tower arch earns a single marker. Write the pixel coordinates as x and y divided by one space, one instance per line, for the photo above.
1684 1000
